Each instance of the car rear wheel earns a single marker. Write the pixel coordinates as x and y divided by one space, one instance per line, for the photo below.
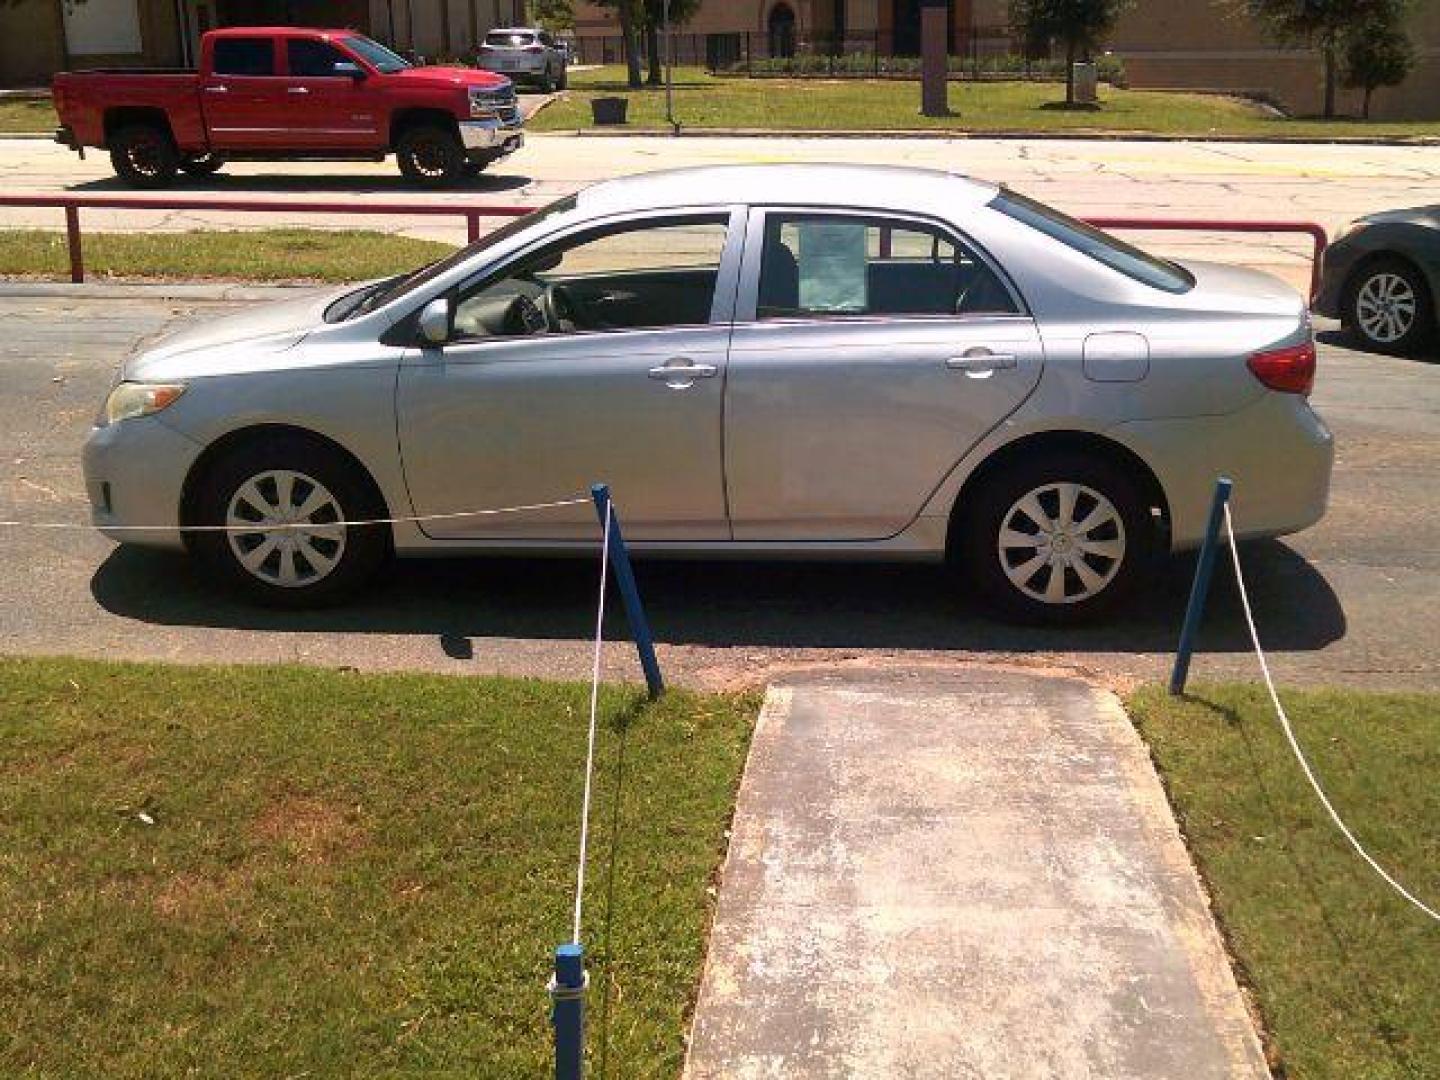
563 82
144 156
280 502
1054 541
201 165
1388 307
431 156
547 81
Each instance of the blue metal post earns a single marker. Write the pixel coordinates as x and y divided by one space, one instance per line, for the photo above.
625 579
568 1011
1200 587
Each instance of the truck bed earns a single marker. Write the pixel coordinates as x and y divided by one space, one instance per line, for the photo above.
83 98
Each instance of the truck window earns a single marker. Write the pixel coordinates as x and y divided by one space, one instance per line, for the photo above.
311 59
244 56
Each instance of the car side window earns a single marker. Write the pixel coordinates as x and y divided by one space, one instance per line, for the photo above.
311 59
244 56
818 266
632 276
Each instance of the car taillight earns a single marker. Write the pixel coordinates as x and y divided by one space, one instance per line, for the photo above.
1290 370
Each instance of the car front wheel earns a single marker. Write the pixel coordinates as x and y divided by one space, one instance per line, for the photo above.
281 503
1055 542
1388 307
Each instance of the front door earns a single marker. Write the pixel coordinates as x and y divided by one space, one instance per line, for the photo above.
881 349
597 357
329 107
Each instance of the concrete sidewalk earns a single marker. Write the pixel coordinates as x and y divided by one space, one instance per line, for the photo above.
961 874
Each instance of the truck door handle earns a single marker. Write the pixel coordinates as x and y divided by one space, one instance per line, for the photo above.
297 90
981 363
217 89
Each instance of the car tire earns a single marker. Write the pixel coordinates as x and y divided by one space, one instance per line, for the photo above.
547 82
1388 307
144 156
430 156
275 480
563 82
1065 575
202 165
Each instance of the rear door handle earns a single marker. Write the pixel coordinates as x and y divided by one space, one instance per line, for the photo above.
297 90
217 89
680 373
981 362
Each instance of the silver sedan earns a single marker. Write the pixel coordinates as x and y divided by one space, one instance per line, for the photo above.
762 361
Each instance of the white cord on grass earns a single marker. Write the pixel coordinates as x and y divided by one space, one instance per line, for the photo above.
590 742
1294 743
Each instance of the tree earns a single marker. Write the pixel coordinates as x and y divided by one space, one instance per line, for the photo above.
1380 56
1324 24
552 14
654 14
626 10
1081 24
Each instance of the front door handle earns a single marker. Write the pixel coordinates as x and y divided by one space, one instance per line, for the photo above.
981 363
217 89
681 372
297 90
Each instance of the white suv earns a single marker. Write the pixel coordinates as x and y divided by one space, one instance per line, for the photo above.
525 54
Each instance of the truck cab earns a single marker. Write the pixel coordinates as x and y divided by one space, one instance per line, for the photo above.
286 93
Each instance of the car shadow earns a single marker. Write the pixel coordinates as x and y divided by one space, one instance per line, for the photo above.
485 183
1341 339
722 604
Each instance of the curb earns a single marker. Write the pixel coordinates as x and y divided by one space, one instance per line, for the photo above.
153 290
961 134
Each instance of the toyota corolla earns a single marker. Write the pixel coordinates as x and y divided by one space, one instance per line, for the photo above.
837 362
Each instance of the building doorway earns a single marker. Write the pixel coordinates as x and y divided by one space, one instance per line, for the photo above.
782 30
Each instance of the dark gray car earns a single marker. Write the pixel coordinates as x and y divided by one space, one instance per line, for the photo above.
1381 277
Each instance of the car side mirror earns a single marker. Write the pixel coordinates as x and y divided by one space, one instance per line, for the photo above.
435 321
349 69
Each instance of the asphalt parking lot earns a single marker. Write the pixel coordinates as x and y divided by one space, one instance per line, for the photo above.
1355 600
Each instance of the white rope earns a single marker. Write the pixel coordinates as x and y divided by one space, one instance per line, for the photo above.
1294 743
594 708
297 526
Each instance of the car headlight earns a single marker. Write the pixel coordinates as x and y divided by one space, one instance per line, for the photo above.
132 399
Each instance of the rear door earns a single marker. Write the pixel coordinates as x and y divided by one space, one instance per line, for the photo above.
871 351
326 106
243 95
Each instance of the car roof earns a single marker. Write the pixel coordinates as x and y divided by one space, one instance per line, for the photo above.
280 31
891 187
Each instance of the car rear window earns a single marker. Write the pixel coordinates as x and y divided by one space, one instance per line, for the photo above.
1102 247
509 40
244 56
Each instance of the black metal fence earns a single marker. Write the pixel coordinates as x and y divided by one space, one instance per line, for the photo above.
988 52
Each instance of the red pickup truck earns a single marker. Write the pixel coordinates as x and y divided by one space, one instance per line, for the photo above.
284 94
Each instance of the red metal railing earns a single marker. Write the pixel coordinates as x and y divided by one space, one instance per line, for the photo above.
73 204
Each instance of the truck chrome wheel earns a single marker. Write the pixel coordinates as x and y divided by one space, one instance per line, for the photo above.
1061 543
293 556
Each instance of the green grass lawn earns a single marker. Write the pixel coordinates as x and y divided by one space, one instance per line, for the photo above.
260 255
27 115
703 101
294 872
1346 974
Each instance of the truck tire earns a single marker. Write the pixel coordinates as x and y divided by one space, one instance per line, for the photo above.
202 165
144 156
430 156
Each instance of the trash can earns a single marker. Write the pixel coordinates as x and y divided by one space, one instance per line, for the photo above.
609 110
1086 80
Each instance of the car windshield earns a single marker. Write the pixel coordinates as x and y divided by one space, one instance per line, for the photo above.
504 40
1100 246
376 55
396 288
